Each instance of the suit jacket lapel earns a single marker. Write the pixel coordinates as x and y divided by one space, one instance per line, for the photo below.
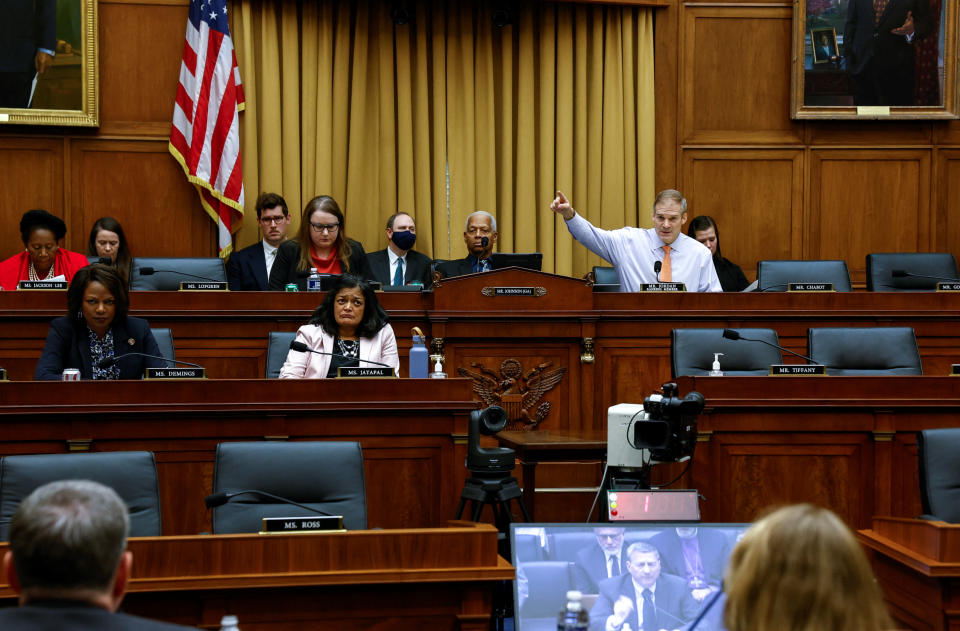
81 343
260 267
382 263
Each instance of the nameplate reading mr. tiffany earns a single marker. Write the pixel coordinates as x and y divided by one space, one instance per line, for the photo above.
798 370
531 292
201 285
43 284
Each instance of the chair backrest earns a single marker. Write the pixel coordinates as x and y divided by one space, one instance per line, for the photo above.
880 269
564 546
278 345
548 583
132 474
865 351
605 278
937 450
526 547
164 338
776 275
209 268
691 352
324 475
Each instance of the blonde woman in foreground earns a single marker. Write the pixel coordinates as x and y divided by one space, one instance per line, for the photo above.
801 569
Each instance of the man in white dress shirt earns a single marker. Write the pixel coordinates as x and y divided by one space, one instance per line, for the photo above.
249 269
634 252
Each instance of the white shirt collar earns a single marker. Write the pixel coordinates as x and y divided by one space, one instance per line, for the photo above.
268 249
393 258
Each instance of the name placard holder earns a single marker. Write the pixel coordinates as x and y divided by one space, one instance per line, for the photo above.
373 372
42 285
288 525
176 373
527 292
663 287
3 374
798 370
200 285
953 286
955 370
810 287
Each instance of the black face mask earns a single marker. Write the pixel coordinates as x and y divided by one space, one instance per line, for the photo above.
404 240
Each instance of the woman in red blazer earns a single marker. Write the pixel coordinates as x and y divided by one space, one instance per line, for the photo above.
42 258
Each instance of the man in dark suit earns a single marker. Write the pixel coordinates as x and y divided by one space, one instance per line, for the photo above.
696 555
601 560
249 269
480 225
398 263
28 43
67 561
878 47
644 598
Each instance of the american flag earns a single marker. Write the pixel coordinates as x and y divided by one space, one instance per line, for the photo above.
205 136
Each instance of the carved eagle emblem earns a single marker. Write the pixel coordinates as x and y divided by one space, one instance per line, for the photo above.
516 391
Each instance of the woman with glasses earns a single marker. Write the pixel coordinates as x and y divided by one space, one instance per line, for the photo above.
321 244
42 258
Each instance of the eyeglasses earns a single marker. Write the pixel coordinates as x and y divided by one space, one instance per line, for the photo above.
273 221
325 227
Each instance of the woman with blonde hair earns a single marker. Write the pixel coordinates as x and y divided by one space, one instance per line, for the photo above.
801 569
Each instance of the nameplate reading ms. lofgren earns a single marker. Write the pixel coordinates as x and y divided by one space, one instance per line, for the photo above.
192 285
530 292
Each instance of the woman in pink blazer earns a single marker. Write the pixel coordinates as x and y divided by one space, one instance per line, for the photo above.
349 323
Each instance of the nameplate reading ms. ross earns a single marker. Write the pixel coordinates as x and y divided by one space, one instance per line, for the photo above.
365 373
45 285
810 287
176 373
200 285
526 292
663 287
951 286
287 525
799 370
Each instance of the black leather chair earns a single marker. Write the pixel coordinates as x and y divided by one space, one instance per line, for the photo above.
880 269
691 352
132 474
605 278
547 585
169 280
164 338
865 351
939 454
278 345
776 275
325 475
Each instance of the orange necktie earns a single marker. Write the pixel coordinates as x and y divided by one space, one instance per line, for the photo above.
666 272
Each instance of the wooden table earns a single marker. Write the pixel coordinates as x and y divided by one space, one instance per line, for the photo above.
438 578
549 446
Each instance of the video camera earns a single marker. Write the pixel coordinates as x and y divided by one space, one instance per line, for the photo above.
670 429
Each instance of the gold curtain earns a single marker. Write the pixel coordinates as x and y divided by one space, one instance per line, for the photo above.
450 114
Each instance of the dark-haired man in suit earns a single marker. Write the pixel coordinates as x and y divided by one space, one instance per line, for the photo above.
601 560
399 263
249 269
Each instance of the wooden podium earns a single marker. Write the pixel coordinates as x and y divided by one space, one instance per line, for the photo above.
436 578
917 563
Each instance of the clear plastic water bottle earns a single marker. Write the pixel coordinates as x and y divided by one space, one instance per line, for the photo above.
419 356
229 623
573 617
313 281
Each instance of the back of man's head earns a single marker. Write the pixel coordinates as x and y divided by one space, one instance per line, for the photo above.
69 535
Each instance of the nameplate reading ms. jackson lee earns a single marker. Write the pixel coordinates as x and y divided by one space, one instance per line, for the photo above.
530 292
42 284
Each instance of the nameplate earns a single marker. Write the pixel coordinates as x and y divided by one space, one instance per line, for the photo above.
3 374
47 285
873 110
810 287
352 372
202 285
951 286
955 370
529 292
663 287
798 370
176 373
320 523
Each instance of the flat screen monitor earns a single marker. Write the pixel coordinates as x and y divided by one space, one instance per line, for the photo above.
529 260
552 559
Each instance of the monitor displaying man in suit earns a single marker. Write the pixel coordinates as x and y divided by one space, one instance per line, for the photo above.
643 597
601 560
249 269
398 263
480 235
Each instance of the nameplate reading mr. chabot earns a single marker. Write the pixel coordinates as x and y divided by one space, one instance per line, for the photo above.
810 287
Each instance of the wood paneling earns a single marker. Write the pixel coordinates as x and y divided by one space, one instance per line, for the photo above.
868 200
735 71
745 188
31 176
946 218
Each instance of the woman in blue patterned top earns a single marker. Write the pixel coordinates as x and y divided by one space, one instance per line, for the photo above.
95 328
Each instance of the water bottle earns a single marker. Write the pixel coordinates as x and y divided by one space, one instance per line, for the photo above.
573 617
229 623
419 356
313 281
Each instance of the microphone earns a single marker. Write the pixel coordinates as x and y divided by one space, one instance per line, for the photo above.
106 362
221 498
902 273
300 347
104 260
769 287
149 271
707 605
485 242
657 266
731 334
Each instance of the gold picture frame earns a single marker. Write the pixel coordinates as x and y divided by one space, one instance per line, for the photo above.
856 84
67 94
